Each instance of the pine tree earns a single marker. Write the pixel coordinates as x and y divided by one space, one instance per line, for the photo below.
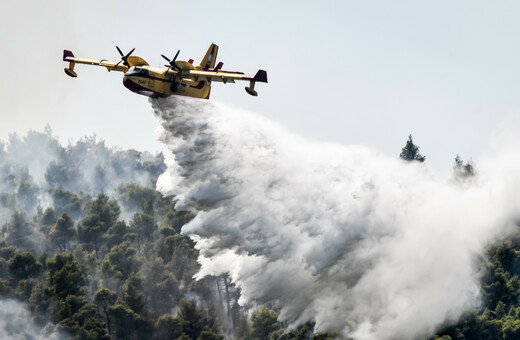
463 171
411 152
62 232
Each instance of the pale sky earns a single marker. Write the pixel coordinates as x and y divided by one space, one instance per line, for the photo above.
353 72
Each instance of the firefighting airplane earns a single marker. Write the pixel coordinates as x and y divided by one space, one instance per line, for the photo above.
177 78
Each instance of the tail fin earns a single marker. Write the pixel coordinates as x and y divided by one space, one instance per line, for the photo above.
261 76
211 56
69 56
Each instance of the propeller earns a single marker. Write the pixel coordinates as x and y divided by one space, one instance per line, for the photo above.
124 57
172 62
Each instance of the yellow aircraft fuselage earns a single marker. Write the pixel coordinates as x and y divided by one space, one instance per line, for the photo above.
177 78
161 82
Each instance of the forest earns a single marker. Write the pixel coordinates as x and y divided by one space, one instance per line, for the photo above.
90 250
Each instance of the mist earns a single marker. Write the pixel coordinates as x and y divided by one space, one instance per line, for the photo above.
32 165
16 323
355 240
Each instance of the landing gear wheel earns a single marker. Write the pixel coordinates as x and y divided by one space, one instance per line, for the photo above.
174 87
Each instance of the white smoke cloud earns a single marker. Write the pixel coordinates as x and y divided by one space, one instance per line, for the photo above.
16 323
357 241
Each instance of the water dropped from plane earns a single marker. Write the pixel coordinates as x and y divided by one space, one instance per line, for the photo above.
357 241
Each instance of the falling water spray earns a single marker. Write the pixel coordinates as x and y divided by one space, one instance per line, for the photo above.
359 242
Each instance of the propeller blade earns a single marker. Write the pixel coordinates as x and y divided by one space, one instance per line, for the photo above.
133 49
176 55
174 65
116 65
172 62
165 57
124 57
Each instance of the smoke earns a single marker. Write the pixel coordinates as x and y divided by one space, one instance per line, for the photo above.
32 165
16 323
359 242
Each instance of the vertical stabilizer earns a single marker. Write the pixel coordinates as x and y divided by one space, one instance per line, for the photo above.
211 56
69 56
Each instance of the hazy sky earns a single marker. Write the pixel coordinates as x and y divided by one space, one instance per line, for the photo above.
353 72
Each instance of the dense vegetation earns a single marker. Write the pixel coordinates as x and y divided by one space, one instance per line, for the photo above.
94 252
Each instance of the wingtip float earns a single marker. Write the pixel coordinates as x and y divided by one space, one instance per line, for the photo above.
178 77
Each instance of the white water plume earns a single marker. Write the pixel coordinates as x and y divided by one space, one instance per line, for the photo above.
359 242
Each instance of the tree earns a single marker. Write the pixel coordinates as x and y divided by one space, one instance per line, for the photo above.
179 251
40 301
499 282
161 286
209 335
77 316
264 323
176 219
128 325
121 261
511 329
123 325
167 328
47 220
66 202
463 171
243 330
24 289
24 265
102 213
116 234
133 196
18 231
62 232
103 299
7 251
70 305
66 276
411 152
57 175
143 225
27 192
93 327
133 295
191 318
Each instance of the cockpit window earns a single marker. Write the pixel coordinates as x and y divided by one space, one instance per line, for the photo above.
137 71
142 71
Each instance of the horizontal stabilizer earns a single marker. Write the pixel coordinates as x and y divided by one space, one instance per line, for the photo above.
251 91
70 72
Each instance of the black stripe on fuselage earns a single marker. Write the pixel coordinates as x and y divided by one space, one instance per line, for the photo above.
199 86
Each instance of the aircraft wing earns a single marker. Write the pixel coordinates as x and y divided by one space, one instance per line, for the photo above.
225 76
110 65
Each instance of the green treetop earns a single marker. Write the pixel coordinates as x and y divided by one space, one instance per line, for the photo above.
410 152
